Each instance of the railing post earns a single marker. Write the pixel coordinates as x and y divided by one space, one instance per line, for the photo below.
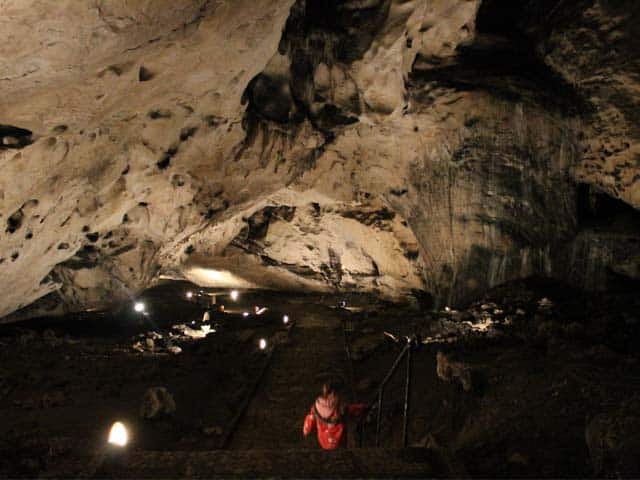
382 386
378 417
407 392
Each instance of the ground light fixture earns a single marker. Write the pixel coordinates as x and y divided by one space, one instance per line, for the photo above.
189 295
234 295
118 435
262 344
285 319
245 314
138 307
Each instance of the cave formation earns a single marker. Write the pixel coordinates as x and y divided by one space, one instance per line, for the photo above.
465 171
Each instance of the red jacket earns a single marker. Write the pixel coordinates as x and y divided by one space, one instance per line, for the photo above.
328 418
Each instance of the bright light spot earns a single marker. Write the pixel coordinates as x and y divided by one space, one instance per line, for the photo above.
206 329
260 310
245 314
209 277
118 435
447 309
189 294
234 295
139 307
285 319
262 344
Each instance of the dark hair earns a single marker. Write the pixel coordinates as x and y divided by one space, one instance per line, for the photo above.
329 387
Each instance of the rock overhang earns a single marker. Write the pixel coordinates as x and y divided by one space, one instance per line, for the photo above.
188 124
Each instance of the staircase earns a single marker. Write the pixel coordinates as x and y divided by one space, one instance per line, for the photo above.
273 463
274 417
267 439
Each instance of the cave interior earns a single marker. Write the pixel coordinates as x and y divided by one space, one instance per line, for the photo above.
212 209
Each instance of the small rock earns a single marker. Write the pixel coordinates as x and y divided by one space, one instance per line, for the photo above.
216 430
174 349
11 141
138 347
149 343
51 339
448 370
545 303
154 335
27 337
157 402
195 332
518 458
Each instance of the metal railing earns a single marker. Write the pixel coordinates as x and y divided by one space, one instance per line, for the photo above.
410 342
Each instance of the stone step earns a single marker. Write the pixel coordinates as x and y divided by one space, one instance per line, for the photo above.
275 414
282 463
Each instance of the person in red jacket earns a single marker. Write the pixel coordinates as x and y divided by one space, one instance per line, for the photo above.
328 415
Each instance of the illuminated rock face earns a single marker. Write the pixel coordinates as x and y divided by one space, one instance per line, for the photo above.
385 146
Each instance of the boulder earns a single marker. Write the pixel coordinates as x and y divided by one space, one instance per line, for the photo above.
448 370
613 440
156 403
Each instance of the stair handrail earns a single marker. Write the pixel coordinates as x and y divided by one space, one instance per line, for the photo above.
410 342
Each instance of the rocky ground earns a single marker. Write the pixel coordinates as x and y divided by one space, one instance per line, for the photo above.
535 380
547 386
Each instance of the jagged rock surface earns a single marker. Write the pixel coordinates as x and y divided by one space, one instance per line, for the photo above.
382 145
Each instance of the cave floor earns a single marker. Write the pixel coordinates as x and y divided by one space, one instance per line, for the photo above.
552 391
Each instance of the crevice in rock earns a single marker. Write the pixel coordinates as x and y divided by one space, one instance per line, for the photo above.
59 129
598 211
14 222
165 161
14 137
159 113
506 57
510 74
93 237
378 218
144 74
319 34
87 257
187 132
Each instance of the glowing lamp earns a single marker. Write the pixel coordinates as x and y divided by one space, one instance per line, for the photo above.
285 319
138 307
189 295
245 314
234 295
118 435
262 344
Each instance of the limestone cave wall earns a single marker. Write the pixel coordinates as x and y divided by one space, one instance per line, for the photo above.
403 148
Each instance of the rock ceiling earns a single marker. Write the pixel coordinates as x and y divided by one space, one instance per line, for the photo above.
423 147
